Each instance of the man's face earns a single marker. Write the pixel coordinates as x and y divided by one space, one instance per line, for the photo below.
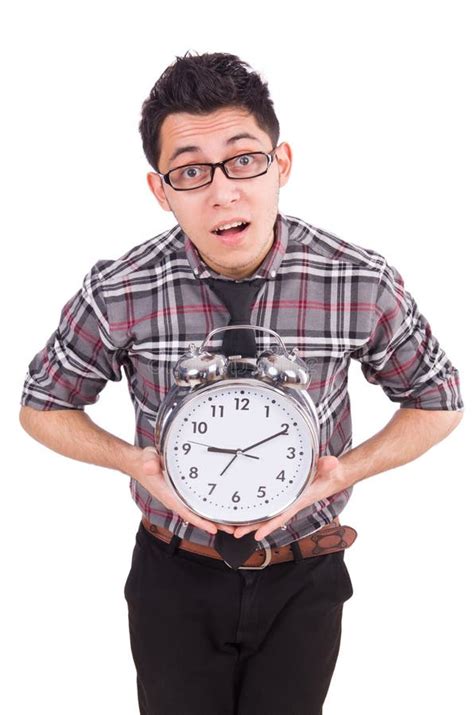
215 137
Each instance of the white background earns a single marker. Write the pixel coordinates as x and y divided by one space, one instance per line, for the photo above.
375 99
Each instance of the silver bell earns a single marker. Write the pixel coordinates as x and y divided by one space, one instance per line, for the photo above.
196 367
282 368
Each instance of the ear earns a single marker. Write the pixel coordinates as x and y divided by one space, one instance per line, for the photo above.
284 157
157 188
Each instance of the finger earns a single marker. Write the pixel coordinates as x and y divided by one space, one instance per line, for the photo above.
163 493
159 489
243 530
226 528
267 527
191 518
263 532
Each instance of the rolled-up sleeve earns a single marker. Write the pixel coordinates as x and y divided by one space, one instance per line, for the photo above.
403 356
79 357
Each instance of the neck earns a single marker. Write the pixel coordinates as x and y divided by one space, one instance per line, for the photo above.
242 271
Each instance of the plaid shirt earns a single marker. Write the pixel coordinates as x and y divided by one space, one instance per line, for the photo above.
332 300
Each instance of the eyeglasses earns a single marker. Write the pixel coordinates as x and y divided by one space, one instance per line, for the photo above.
242 166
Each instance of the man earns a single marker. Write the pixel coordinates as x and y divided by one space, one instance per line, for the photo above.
207 638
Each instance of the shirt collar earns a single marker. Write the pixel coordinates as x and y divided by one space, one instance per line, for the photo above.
268 269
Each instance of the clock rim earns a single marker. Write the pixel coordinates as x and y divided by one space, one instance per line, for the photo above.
304 407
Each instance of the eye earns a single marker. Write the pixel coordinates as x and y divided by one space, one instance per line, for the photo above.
244 160
190 172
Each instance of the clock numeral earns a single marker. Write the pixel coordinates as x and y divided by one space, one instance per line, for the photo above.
213 486
200 427
286 427
267 410
261 492
217 410
292 452
186 447
235 497
193 472
281 476
241 403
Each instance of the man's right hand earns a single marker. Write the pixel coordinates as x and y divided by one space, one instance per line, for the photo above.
73 434
148 471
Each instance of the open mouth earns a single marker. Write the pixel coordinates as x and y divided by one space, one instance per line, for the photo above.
232 231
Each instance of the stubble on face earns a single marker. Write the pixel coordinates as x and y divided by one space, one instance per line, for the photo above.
232 269
230 263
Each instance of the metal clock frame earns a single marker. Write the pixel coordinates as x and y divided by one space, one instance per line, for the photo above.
178 397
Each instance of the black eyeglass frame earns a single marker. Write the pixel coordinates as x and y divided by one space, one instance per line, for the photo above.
270 157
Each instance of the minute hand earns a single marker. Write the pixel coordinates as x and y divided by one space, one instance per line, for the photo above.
267 439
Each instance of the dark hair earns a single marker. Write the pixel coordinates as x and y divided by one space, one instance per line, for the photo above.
199 84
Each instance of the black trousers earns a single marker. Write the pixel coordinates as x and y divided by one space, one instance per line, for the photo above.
207 640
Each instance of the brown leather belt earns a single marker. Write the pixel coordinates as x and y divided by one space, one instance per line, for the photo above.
326 540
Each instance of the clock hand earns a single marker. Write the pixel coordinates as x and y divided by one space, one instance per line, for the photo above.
227 467
219 449
267 439
230 451
203 444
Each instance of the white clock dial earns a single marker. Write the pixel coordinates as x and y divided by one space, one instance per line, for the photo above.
240 452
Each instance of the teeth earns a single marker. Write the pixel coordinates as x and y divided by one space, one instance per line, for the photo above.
229 225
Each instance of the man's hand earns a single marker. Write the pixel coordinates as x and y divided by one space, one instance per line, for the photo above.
148 471
329 479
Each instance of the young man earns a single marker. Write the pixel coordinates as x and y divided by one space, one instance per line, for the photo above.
207 638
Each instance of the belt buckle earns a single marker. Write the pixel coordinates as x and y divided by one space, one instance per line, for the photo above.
268 558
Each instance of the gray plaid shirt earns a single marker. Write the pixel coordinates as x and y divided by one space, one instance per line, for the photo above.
332 300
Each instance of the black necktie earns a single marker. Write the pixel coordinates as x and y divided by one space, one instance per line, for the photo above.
238 299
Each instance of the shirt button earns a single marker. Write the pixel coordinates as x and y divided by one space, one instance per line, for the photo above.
273 274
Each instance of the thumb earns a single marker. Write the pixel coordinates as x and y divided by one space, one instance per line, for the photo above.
151 462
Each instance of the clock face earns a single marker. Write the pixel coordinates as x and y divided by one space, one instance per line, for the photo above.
240 451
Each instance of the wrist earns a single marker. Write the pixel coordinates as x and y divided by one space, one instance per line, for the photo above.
351 469
129 459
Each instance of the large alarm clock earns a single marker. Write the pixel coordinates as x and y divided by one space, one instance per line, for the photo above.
239 436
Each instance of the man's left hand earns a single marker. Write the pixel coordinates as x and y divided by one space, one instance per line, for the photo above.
329 479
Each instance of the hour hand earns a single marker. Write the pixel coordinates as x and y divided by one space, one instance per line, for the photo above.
213 449
231 451
220 449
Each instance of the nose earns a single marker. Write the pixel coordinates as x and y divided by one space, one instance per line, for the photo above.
223 191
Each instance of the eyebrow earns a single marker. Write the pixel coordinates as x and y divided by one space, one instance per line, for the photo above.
192 147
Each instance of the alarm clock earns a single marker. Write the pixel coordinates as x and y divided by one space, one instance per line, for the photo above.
239 437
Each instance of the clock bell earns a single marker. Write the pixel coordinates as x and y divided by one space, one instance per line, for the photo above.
277 366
